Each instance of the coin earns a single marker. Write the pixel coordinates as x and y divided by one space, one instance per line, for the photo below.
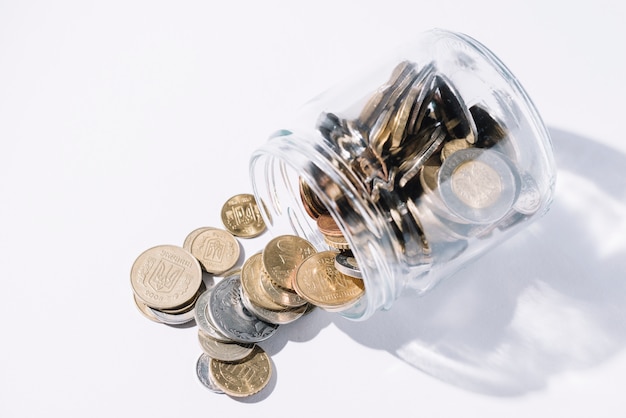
230 317
225 351
310 201
280 317
216 249
241 216
145 310
251 277
318 281
328 227
478 185
204 376
451 109
284 297
451 147
282 255
346 263
490 131
242 378
201 315
174 319
192 235
338 243
165 276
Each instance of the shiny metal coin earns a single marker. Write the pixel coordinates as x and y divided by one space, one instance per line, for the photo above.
283 297
224 351
174 319
145 310
285 316
165 277
231 318
242 378
346 263
478 185
204 375
216 249
192 235
241 216
201 314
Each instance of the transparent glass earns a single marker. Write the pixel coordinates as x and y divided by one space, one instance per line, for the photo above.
425 163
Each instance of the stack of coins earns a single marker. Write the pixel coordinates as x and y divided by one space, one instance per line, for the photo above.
166 282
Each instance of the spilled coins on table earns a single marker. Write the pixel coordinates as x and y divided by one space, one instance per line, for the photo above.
247 304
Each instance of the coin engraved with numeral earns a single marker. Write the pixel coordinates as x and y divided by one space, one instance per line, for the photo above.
165 276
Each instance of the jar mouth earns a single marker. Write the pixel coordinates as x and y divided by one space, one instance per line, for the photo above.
276 169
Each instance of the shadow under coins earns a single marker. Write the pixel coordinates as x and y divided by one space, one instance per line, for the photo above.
547 301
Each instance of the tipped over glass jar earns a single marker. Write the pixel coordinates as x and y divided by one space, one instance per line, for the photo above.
424 164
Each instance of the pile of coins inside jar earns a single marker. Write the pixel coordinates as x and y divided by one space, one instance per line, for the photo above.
276 286
439 171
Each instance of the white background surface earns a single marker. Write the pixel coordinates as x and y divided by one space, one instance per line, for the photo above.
126 124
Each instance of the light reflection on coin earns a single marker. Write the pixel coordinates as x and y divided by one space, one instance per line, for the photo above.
241 216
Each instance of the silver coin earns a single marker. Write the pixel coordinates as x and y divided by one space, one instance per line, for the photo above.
285 316
231 318
202 371
173 319
224 351
346 263
478 185
203 320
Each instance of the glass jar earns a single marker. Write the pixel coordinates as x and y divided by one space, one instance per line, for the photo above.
424 163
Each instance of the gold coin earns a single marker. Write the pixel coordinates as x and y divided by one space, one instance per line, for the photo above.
192 235
145 310
165 277
283 297
453 146
216 249
312 204
282 256
241 216
338 243
251 277
321 284
242 378
328 227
